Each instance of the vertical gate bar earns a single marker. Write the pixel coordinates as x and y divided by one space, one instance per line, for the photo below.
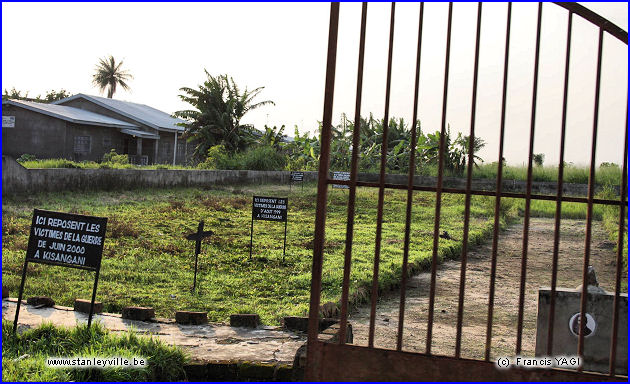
528 193
556 233
622 217
322 189
438 192
497 202
381 189
471 146
343 321
412 167
589 204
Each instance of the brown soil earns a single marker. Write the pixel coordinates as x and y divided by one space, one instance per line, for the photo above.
539 259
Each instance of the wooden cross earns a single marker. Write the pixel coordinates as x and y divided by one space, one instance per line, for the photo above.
198 236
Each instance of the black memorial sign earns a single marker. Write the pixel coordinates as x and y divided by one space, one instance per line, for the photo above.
297 176
269 208
342 176
69 240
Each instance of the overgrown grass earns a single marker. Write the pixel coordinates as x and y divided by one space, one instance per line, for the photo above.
604 175
24 355
148 262
65 163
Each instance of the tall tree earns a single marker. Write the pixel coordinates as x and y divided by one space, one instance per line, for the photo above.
109 75
219 105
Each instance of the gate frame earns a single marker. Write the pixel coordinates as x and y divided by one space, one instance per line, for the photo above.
338 361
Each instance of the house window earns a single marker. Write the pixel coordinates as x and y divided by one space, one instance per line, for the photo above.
107 142
166 148
82 144
181 148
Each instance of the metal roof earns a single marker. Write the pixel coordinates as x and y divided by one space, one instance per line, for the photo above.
71 114
141 113
141 134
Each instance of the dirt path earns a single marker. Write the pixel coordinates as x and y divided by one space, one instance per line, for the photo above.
540 252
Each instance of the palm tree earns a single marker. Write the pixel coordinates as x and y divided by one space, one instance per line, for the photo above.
219 105
109 75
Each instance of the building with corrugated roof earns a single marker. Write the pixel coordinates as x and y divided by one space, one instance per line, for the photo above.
84 127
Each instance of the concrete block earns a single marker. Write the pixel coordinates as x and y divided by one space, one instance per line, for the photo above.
40 301
81 305
196 372
222 371
283 373
251 320
598 327
138 313
194 318
256 371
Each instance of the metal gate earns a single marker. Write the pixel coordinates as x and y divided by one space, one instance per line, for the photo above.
340 361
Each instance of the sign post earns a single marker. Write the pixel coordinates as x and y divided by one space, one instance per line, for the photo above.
66 240
270 209
342 176
296 176
198 236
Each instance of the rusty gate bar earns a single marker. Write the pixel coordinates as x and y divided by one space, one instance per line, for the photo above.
556 233
521 299
497 202
412 167
591 193
596 19
476 192
343 320
336 361
381 188
438 190
322 189
471 146
619 260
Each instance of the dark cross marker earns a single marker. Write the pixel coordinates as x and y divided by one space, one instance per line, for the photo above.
198 236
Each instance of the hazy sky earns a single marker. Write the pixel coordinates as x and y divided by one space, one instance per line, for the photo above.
283 47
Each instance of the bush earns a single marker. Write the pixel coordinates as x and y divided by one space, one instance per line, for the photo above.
215 157
263 158
26 157
114 158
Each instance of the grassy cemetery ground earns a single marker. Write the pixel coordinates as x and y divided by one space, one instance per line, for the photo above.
24 355
148 262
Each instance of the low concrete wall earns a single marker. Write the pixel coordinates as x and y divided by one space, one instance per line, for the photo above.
17 179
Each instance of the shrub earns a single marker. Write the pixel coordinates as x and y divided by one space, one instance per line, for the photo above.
26 157
262 159
114 158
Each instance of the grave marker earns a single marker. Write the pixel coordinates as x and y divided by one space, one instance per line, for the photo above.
269 209
296 176
341 176
198 236
66 240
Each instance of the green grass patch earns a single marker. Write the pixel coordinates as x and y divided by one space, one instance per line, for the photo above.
24 355
65 163
148 262
607 174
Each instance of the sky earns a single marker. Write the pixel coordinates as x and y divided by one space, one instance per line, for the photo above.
282 46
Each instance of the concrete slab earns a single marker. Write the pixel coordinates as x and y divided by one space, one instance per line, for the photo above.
205 343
